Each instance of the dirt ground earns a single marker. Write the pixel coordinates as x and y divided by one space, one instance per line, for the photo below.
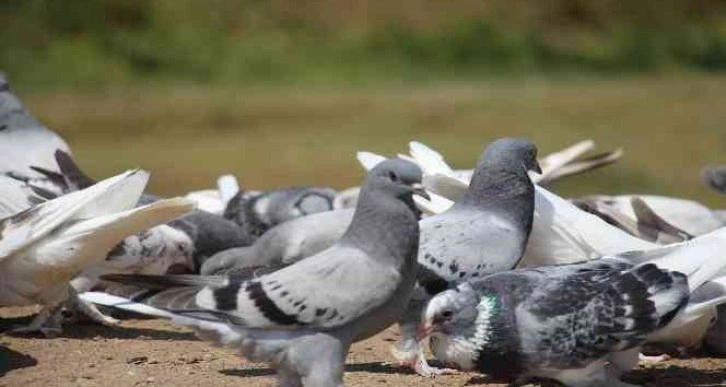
156 353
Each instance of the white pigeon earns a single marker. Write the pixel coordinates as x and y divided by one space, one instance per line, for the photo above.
43 247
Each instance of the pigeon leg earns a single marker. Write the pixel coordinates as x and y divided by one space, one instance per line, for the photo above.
288 378
624 361
325 369
80 307
45 323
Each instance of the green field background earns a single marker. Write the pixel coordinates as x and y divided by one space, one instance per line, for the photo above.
284 92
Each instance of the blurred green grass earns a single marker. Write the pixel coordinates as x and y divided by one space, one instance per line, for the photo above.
669 125
91 44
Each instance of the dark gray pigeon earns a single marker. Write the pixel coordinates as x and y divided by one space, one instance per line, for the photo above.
24 141
257 212
485 232
302 319
557 322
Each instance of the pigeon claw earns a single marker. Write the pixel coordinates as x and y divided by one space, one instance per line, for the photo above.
424 369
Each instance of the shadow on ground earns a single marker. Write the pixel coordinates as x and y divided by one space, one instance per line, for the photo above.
84 330
11 360
677 376
368 367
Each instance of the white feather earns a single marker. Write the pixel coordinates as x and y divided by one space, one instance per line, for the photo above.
227 186
369 160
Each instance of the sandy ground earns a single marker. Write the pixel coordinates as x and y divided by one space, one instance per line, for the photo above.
156 353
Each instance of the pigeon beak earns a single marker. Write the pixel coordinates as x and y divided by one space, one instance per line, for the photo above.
419 190
423 332
537 168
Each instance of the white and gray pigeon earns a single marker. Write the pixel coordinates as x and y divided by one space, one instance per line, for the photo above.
45 246
256 212
485 232
351 291
639 219
156 250
692 217
580 324
198 235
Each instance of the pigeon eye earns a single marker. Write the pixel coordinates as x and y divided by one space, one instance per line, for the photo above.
392 176
447 314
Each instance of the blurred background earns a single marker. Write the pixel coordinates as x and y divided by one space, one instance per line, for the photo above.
283 92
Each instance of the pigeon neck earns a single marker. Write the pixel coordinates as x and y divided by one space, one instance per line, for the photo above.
509 190
384 226
499 355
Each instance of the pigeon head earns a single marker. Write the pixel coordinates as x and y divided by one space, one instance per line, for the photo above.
501 172
396 177
509 154
457 321
715 177
386 213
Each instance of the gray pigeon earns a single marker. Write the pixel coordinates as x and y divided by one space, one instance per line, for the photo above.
484 232
715 177
557 322
256 212
24 141
284 244
302 319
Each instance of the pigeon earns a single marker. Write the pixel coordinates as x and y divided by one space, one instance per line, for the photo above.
349 292
714 177
257 212
485 232
689 216
561 232
644 223
284 244
215 200
558 322
566 322
45 246
24 141
198 235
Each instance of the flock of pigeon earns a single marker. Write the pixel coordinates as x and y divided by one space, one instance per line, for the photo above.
500 275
